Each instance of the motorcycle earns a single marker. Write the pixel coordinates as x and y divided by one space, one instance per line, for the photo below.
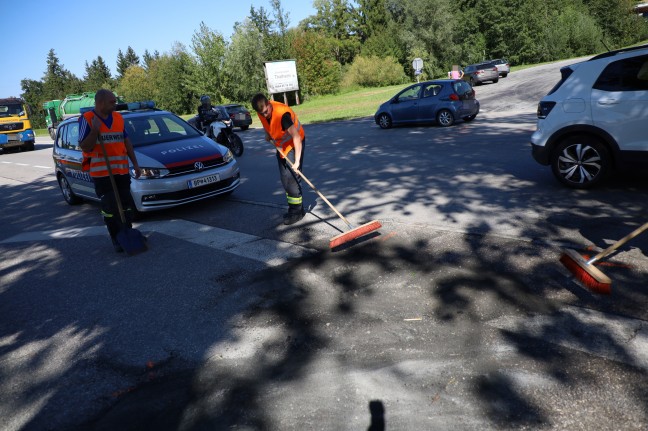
221 130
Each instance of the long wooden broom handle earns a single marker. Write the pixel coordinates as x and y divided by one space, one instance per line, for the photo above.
312 186
619 243
112 181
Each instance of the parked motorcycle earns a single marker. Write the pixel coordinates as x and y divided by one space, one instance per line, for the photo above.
221 130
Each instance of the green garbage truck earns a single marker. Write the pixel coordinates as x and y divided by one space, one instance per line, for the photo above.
58 110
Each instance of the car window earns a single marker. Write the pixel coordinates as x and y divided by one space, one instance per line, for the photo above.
462 88
431 90
630 74
410 93
147 130
68 136
469 69
486 66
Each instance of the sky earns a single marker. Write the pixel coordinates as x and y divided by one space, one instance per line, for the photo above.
79 31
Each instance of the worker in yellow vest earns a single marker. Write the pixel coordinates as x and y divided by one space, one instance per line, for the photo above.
283 127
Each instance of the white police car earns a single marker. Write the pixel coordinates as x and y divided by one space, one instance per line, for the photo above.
179 164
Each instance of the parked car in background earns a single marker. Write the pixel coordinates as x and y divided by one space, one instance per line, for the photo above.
179 164
443 101
239 115
503 66
594 119
479 73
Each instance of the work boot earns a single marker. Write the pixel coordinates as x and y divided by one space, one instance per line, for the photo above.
295 213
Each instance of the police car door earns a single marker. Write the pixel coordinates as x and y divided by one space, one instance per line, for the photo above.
68 157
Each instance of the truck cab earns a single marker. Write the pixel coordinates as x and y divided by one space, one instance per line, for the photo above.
15 126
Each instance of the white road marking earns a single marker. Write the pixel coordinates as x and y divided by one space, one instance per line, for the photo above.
270 252
21 164
43 167
610 336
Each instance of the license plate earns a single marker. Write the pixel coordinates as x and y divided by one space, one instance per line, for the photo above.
199 182
240 116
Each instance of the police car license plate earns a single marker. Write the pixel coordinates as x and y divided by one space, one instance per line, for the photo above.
198 182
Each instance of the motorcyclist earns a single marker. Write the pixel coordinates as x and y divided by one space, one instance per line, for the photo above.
207 113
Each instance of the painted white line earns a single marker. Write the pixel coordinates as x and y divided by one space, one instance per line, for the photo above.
270 252
21 164
618 338
6 163
43 167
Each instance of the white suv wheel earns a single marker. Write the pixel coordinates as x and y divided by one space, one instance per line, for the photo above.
580 162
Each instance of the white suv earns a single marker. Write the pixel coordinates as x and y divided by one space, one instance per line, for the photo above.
595 118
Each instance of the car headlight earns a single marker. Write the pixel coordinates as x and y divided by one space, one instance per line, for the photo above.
228 157
150 173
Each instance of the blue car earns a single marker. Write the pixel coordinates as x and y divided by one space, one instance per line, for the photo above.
443 101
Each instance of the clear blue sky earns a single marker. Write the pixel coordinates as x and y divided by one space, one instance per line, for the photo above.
79 31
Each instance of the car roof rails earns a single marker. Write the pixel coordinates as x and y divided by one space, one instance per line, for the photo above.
618 51
130 106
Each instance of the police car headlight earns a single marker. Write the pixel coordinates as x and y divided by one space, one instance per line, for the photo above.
228 157
149 173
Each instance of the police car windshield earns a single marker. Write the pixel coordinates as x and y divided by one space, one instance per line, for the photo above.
156 128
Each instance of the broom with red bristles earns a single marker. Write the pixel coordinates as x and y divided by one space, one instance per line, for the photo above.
585 271
353 232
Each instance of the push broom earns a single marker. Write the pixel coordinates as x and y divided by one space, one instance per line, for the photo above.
353 232
585 271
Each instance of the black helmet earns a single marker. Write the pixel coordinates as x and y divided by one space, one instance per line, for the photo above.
205 100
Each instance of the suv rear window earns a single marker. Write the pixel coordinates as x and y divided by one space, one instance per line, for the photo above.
486 66
565 72
630 74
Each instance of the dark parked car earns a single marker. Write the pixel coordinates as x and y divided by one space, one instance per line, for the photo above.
442 101
503 66
479 73
239 115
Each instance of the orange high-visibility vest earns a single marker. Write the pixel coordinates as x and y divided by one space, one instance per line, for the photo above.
282 138
113 139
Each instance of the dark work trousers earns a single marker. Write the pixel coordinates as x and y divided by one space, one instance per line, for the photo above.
289 179
109 209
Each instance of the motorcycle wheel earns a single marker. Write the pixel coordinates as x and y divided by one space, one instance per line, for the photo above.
236 145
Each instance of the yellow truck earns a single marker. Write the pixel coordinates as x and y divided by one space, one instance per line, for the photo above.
15 126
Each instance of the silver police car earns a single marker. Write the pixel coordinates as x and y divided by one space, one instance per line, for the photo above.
178 163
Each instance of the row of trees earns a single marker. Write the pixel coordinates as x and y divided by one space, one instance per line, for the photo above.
351 43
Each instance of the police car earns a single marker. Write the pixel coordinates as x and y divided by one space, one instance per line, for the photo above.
178 163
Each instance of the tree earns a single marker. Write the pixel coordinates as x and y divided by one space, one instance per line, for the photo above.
207 72
335 18
124 61
148 58
135 85
33 94
55 78
243 63
317 68
170 77
97 75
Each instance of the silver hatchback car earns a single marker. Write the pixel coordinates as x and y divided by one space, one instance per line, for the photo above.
477 74
179 164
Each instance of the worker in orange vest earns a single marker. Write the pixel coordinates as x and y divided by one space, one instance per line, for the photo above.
283 127
104 122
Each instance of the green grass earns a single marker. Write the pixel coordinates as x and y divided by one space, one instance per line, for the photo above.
344 106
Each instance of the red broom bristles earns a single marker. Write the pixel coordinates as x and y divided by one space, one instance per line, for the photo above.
357 232
587 274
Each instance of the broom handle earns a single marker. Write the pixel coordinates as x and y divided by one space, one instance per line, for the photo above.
313 187
618 244
112 181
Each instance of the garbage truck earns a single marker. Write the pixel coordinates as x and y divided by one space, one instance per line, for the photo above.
58 110
15 125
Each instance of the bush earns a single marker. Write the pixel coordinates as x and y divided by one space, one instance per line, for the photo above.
373 71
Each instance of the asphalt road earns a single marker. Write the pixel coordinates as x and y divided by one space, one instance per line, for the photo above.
457 315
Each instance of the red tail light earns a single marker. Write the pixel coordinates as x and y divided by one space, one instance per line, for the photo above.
454 97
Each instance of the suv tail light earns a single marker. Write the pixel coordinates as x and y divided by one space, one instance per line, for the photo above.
454 97
544 108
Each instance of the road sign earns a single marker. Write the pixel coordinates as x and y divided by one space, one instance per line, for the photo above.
417 64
